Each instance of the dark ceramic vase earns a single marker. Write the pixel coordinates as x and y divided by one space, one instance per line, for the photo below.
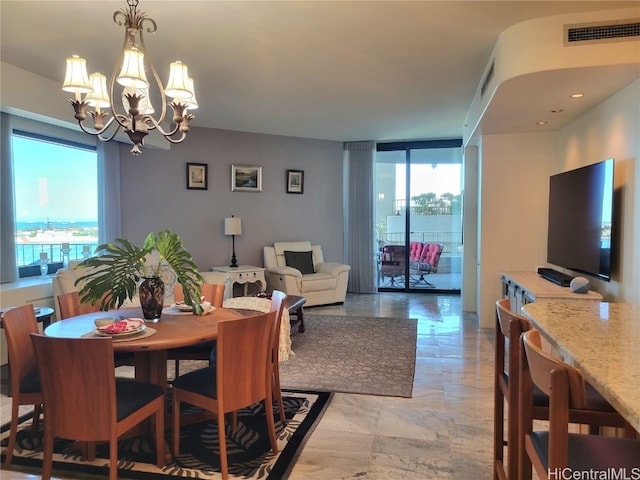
151 293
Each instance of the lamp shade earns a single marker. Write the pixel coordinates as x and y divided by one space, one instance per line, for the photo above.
99 97
232 226
132 73
76 79
178 85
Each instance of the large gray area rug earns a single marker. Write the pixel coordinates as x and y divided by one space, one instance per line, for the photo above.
366 355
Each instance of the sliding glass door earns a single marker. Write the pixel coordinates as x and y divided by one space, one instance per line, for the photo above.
418 214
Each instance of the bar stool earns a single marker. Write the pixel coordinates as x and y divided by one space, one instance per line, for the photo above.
553 450
596 412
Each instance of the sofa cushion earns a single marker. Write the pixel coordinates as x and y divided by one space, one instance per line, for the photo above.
317 282
302 261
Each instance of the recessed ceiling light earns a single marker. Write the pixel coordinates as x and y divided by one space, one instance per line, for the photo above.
576 95
557 110
542 122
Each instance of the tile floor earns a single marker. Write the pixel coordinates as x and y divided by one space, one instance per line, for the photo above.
443 432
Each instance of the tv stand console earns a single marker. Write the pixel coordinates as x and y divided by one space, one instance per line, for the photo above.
526 287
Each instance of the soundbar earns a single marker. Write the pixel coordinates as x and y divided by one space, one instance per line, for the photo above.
555 276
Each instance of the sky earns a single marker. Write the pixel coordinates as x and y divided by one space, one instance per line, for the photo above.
54 182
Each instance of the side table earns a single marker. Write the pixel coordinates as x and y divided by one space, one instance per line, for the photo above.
243 275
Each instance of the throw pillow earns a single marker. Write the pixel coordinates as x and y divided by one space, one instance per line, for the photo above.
302 261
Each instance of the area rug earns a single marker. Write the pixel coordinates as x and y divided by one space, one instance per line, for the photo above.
366 355
250 456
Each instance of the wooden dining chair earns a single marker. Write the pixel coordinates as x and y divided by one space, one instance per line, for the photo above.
277 305
242 376
553 450
214 294
84 401
71 306
597 412
19 323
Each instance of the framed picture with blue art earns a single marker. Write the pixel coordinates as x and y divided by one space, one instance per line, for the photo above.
246 178
197 176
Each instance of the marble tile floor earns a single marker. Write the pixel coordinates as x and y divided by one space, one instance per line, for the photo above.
443 432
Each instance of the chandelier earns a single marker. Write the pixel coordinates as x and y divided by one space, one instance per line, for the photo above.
135 118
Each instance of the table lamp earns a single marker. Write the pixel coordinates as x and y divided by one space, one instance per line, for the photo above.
233 227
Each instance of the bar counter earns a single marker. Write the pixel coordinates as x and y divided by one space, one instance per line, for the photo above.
602 340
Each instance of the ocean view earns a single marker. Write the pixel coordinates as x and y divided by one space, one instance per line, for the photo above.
46 237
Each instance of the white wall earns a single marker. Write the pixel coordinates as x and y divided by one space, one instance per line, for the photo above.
512 210
612 130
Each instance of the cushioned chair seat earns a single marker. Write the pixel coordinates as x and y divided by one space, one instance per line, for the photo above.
316 282
619 452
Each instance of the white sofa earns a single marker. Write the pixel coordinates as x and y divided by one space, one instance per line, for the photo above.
65 278
325 284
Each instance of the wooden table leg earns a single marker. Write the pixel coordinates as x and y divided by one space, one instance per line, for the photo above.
300 317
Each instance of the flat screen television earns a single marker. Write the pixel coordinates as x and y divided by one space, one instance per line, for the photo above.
580 220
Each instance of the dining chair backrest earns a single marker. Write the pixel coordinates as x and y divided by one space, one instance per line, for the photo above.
18 324
212 292
82 403
71 306
278 306
243 362
69 366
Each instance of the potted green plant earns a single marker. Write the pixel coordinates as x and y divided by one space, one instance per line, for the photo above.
121 269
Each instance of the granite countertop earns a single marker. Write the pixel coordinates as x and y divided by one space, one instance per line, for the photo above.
602 340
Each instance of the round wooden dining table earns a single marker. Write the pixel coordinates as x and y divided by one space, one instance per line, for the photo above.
174 329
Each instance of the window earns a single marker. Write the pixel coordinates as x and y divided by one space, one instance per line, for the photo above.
56 201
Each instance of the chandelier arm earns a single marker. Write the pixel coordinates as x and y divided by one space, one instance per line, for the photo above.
148 118
121 119
163 98
98 133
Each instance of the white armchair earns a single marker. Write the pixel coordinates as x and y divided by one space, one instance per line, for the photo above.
298 268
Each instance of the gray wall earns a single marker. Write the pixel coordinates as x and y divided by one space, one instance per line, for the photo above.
154 194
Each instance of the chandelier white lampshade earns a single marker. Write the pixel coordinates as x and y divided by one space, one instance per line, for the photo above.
134 115
191 103
99 97
132 73
178 84
232 226
76 79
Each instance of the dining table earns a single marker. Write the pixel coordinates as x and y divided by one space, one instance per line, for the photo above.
602 340
174 329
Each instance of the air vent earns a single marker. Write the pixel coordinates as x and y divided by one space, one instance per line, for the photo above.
487 79
619 30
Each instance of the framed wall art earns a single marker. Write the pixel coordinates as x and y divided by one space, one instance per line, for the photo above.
197 176
295 181
245 178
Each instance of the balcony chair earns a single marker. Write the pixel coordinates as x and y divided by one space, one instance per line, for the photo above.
424 262
18 324
84 401
392 264
298 268
241 377
554 450
595 412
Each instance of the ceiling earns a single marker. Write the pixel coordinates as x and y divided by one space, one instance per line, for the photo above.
336 70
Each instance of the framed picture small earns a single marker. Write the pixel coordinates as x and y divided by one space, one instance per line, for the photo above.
197 176
295 181
245 178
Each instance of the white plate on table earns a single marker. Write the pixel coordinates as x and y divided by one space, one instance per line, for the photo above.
105 333
183 307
